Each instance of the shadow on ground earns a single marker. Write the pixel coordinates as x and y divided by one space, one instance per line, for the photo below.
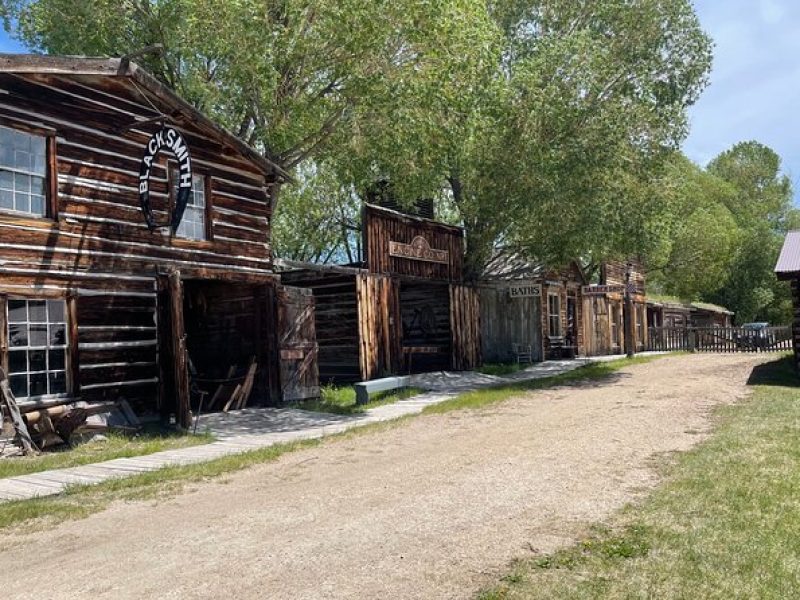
778 373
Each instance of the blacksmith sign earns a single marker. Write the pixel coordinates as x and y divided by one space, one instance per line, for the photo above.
419 249
524 291
171 139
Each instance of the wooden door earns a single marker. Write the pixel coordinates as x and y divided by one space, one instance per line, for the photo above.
297 341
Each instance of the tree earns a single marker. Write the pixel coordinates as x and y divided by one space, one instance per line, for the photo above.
541 122
284 75
555 151
763 193
700 236
762 206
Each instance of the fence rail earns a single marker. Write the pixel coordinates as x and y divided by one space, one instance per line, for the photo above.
719 339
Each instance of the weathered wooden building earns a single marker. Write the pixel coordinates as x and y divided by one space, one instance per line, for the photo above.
526 305
788 269
604 309
95 301
675 314
405 308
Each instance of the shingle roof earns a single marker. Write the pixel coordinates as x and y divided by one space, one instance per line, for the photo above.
789 261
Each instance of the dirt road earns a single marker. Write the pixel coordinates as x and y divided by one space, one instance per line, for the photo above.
431 509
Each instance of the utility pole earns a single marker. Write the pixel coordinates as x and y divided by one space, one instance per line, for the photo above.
629 333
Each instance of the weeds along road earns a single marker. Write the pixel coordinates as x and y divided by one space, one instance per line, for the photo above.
432 508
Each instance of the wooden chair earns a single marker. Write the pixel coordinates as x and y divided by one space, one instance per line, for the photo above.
522 353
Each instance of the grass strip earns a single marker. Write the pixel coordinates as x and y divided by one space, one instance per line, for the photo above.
725 523
150 440
342 400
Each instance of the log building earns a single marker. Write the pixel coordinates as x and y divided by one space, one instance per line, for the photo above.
95 302
405 308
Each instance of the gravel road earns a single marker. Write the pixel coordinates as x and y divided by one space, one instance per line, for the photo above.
434 508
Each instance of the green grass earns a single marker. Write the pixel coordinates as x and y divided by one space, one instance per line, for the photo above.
151 439
725 524
501 392
342 400
501 369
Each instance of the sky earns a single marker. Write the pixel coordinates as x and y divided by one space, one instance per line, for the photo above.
755 81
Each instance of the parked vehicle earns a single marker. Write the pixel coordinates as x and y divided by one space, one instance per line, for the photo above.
755 335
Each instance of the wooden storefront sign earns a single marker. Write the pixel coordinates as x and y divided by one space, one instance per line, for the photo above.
419 249
599 290
524 291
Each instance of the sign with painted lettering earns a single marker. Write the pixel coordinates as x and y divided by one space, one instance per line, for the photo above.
171 139
524 291
599 290
419 249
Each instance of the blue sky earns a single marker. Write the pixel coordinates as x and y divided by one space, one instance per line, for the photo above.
755 83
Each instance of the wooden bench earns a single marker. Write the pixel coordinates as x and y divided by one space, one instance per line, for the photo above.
365 388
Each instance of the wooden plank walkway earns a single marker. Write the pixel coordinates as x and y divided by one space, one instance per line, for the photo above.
252 429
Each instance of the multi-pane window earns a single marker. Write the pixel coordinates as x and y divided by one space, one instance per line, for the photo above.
23 172
554 314
193 224
37 347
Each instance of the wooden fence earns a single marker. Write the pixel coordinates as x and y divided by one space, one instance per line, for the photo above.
720 339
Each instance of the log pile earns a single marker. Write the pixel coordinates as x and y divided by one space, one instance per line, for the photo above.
57 424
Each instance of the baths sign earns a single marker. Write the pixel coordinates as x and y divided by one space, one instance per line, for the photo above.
524 291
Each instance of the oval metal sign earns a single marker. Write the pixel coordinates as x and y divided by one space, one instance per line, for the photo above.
171 139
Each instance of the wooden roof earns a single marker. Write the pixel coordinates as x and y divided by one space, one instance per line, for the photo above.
125 69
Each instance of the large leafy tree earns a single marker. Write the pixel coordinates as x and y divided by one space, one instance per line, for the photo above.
699 234
554 153
762 206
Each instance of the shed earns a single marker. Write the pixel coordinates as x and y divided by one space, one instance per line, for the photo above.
96 302
405 308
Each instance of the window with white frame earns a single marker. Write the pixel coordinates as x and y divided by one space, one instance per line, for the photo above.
554 314
37 347
23 172
193 224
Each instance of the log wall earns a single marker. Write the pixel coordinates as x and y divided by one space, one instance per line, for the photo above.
94 246
97 223
337 322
